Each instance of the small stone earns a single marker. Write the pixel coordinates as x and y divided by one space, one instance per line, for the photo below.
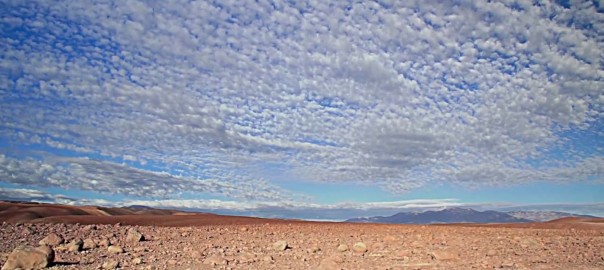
104 242
52 239
491 253
89 244
342 248
75 245
134 236
507 264
137 261
268 258
110 264
246 257
29 258
280 245
359 247
115 249
89 227
26 231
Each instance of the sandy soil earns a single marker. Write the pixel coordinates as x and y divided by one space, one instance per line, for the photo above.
217 242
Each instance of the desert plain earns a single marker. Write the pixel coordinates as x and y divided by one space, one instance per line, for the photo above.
90 237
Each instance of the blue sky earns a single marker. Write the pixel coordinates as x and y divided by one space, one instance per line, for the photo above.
259 107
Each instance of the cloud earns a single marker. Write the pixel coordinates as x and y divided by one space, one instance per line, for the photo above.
34 195
112 178
400 94
20 193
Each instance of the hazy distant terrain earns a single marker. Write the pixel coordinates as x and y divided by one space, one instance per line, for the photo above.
542 216
463 215
146 238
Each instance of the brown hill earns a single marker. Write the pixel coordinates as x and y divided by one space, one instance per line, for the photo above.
25 212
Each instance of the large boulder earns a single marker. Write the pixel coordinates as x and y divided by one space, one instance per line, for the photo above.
28 257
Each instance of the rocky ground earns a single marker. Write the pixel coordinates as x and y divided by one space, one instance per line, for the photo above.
308 246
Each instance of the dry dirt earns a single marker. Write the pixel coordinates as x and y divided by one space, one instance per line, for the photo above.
218 242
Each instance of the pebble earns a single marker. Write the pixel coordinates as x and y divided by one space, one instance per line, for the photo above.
115 249
359 247
280 245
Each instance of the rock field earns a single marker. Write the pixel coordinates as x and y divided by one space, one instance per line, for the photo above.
299 245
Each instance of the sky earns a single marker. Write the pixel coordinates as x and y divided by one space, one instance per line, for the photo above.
304 109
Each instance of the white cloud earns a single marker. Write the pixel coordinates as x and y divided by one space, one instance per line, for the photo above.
398 93
112 178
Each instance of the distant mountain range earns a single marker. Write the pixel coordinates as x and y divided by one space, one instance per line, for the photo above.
542 216
463 215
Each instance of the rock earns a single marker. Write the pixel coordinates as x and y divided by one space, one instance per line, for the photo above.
137 261
52 239
115 249
443 255
215 260
110 264
280 245
28 257
342 248
104 242
75 245
26 231
89 244
268 258
134 236
89 227
359 247
507 264
491 253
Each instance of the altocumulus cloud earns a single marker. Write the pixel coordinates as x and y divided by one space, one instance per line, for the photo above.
157 98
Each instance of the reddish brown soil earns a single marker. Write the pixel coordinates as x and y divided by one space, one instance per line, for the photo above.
563 223
219 242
